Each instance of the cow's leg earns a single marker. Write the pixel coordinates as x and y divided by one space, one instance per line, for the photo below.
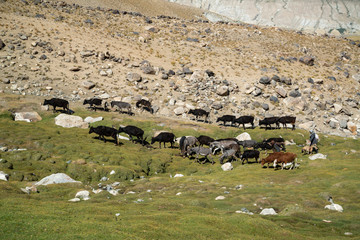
54 109
159 144
244 126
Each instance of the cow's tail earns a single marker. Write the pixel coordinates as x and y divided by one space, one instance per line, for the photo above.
138 104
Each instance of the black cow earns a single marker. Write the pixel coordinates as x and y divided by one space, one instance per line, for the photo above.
263 146
277 144
227 118
105 131
144 104
199 112
269 121
93 101
57 102
164 137
205 140
245 119
287 119
250 154
247 143
122 105
133 131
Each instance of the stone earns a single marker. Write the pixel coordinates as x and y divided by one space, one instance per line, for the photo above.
334 207
307 60
257 91
356 77
103 73
227 166
75 69
297 103
104 96
223 91
123 138
113 192
133 77
179 110
6 81
281 91
244 136
86 53
56 178
274 99
198 76
265 106
352 127
152 29
318 81
219 198
4 176
307 125
69 121
93 120
88 85
189 106
333 123
97 191
318 156
112 172
265 80
295 93
148 70
337 108
178 175
216 105
75 200
27 116
343 123
268 211
2 44
84 195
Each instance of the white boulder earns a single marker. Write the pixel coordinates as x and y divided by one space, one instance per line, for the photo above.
219 198
84 195
334 207
244 136
178 175
268 211
68 121
75 200
27 116
227 167
56 178
4 176
318 156
93 120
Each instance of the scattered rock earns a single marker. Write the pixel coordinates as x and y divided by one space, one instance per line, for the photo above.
352 127
84 195
27 116
93 120
219 198
307 125
68 121
178 175
2 44
265 80
337 108
179 110
88 84
281 91
265 106
334 207
133 77
268 211
318 156
216 105
244 136
56 178
75 200
227 166
307 60
4 176
75 69
223 91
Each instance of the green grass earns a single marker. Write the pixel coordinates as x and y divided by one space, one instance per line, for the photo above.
299 196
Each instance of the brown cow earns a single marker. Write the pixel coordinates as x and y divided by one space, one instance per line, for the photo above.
284 159
271 158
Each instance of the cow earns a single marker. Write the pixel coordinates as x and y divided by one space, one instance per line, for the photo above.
205 140
93 101
164 137
248 143
133 131
122 105
287 119
269 121
198 113
250 154
58 102
105 131
245 119
206 152
277 144
144 104
227 118
271 158
284 159
222 144
187 142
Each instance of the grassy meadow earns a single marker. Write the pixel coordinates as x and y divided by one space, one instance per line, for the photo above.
156 210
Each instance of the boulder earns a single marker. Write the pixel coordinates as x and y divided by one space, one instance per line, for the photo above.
198 76
334 207
268 211
4 176
179 110
307 60
244 136
223 91
356 77
86 53
75 200
295 93
178 175
265 80
333 123
216 105
343 123
68 121
337 108
297 103
27 116
352 127
307 125
265 106
281 91
317 156
88 85
93 120
84 195
227 166
104 96
123 138
152 29
219 198
133 77
56 178
274 99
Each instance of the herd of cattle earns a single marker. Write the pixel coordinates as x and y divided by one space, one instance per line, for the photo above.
229 148
96 103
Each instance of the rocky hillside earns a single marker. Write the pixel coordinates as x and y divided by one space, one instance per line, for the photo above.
335 17
64 49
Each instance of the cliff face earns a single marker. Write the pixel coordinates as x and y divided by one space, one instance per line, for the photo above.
323 16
